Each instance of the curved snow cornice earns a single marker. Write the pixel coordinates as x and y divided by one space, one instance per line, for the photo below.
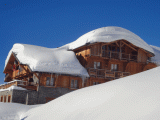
109 34
43 59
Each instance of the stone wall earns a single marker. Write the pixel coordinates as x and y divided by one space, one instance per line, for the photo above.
44 92
34 97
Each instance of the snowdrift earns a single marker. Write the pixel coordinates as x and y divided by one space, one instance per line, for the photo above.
109 34
43 59
13 111
135 97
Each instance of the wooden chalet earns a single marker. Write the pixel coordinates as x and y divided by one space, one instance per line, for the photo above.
104 61
113 60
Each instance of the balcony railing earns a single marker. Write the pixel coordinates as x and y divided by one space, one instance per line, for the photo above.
115 55
19 83
106 74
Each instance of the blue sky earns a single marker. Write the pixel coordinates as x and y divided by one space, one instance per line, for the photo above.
53 23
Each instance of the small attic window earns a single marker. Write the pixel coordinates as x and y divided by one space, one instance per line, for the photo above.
15 62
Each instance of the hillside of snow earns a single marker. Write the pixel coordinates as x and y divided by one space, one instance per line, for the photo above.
55 60
136 97
109 34
156 58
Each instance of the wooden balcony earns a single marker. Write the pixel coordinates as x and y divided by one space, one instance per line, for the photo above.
106 74
19 83
18 74
115 55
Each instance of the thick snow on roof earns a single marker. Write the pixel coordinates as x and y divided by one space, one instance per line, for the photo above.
156 58
136 97
13 87
109 34
44 59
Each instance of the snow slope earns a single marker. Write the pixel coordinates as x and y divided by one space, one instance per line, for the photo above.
156 58
13 111
136 97
109 34
43 59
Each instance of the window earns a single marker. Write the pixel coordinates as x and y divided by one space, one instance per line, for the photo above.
50 81
97 65
114 67
4 98
9 98
74 83
1 98
47 81
95 83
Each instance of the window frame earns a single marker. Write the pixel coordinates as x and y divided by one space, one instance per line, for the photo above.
74 84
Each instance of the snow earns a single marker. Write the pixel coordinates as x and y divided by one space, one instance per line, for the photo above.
55 60
136 97
14 80
156 58
109 34
13 87
13 111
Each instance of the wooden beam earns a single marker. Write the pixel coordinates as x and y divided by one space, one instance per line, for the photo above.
117 44
36 75
129 46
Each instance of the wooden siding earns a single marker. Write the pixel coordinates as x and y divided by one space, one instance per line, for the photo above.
142 56
149 66
60 80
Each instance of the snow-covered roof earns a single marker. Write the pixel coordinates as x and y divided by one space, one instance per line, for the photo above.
55 60
156 58
109 34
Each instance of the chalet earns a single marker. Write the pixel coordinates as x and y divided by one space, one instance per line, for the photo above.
42 74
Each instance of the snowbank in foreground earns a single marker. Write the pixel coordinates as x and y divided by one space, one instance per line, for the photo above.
156 58
13 111
135 97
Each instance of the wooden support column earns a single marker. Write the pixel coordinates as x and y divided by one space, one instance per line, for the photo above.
120 54
56 80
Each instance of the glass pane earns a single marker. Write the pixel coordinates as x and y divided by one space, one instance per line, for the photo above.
98 65
112 66
76 84
72 83
115 67
95 65
47 81
52 82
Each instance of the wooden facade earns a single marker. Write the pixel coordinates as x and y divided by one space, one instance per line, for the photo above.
109 61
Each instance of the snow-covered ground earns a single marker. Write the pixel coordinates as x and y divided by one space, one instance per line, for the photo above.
13 111
136 97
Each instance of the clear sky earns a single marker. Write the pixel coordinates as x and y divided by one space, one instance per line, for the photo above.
53 23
